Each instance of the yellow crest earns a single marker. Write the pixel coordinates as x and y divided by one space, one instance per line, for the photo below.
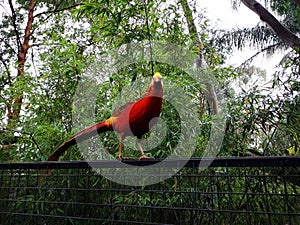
157 75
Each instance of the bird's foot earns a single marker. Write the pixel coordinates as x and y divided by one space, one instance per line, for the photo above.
143 156
121 158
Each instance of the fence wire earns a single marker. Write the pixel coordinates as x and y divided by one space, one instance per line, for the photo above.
254 191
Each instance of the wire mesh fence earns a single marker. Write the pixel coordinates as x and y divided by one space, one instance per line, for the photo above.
230 191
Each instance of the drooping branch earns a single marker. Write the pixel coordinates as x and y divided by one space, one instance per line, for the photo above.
282 32
268 48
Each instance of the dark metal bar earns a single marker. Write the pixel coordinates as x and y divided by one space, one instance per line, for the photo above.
269 161
248 190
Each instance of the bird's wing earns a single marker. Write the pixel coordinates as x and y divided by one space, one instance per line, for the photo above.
121 109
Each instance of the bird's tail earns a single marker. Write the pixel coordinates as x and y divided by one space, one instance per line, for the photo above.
82 135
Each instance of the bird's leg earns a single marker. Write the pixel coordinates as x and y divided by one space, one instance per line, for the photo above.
120 148
139 145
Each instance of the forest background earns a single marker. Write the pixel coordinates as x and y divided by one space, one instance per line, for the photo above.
46 46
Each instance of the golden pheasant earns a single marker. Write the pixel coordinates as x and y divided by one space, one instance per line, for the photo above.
132 119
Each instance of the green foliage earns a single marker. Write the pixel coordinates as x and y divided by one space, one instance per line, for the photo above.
73 38
65 43
290 13
265 122
258 120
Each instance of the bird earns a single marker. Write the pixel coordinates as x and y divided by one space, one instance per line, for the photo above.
132 119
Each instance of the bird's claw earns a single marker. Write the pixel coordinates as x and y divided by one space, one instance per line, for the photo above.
145 157
121 158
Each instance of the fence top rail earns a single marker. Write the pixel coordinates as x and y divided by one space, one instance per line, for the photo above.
265 161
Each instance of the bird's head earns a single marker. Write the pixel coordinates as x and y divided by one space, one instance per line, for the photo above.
157 80
155 88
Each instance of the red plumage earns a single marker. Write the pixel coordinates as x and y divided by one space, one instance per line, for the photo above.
133 119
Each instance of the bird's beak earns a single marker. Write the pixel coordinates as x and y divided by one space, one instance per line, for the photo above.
156 80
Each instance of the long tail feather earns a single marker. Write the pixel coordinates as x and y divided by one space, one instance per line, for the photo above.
86 133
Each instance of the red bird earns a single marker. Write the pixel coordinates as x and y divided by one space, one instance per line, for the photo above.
132 119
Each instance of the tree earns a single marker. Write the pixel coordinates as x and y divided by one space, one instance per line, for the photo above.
283 33
258 116
63 38
22 42
44 93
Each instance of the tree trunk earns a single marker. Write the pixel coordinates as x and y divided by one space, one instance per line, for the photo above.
14 108
282 32
209 90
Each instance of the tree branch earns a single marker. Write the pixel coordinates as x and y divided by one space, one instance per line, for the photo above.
58 10
14 109
4 63
14 23
268 48
282 32
297 3
8 45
